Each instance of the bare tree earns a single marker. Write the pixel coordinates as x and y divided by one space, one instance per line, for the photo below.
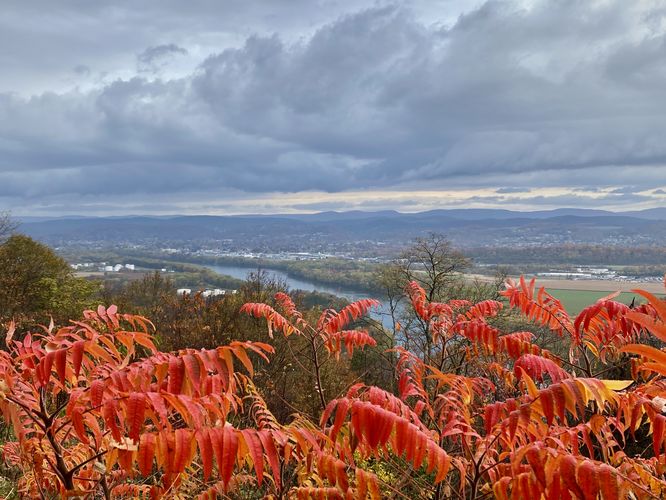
7 225
434 264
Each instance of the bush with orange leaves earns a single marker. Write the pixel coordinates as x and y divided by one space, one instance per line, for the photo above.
97 410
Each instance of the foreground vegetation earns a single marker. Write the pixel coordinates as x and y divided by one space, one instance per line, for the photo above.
477 390
97 409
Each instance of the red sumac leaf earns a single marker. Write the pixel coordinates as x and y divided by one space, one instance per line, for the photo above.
136 408
176 375
146 453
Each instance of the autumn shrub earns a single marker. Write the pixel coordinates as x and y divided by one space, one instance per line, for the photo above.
36 284
98 410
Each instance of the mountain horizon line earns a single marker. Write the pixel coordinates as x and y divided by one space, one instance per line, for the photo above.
465 213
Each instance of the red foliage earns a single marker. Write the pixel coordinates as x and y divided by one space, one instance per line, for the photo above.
98 411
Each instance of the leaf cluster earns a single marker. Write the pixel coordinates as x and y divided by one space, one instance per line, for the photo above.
97 409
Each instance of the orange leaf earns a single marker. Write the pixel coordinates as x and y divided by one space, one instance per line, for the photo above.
217 441
77 422
588 481
109 412
136 408
205 452
193 369
254 446
176 374
96 392
146 454
534 459
229 450
608 483
271 454
77 355
568 465
182 455
546 399
61 364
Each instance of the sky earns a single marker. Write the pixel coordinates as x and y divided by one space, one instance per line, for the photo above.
279 106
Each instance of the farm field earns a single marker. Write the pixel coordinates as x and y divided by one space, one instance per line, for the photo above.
601 285
574 301
575 295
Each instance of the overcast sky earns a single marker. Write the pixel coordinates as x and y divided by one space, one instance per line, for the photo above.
247 106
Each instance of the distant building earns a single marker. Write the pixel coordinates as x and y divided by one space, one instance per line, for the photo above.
184 291
595 270
130 267
108 269
566 275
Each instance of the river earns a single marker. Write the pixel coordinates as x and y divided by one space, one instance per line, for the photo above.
241 272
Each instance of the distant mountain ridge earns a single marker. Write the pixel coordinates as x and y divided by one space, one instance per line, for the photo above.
456 213
356 232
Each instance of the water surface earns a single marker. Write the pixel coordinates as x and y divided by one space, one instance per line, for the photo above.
241 272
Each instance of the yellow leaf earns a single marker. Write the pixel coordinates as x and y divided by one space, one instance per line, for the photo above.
617 385
592 348
531 386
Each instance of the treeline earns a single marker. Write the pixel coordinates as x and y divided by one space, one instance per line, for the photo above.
36 285
572 254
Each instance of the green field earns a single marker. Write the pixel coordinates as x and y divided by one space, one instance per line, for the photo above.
575 301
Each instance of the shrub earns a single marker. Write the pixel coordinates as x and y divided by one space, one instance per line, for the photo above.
98 410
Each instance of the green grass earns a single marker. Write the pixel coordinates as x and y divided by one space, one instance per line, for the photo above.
574 301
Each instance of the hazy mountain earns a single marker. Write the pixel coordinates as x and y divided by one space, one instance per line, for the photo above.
351 231
651 213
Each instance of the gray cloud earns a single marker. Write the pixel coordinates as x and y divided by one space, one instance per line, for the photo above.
511 190
154 58
149 55
565 200
625 190
347 96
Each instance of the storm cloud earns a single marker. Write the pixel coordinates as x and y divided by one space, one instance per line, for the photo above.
496 103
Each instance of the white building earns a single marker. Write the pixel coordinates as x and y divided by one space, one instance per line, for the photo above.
184 291
566 275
